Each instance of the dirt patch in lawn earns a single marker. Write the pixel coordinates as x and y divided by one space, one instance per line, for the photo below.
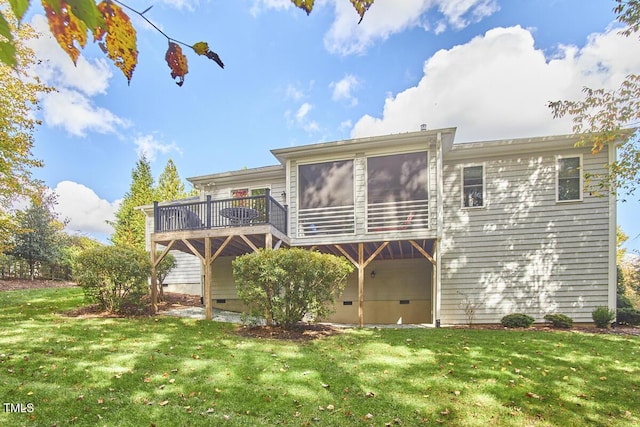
171 301
23 284
302 332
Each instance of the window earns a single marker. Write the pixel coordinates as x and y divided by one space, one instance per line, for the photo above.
569 178
397 178
325 185
397 196
326 198
473 186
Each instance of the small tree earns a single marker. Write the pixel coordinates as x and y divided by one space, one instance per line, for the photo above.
114 277
165 266
285 284
37 240
129 226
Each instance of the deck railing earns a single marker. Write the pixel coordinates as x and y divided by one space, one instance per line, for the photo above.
335 221
208 214
398 216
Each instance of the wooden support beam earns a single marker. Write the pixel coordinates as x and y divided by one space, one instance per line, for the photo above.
221 248
154 279
164 253
268 241
193 249
423 252
346 254
361 284
277 246
375 253
207 278
248 242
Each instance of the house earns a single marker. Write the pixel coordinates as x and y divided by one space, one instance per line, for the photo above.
439 232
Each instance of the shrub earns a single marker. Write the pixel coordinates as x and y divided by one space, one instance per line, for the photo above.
623 301
559 321
114 277
285 284
628 316
517 320
603 317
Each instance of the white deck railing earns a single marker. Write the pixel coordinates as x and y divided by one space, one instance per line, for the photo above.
397 216
326 221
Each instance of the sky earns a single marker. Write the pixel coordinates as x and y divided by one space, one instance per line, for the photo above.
486 67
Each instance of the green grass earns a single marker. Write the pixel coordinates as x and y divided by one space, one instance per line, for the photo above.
177 372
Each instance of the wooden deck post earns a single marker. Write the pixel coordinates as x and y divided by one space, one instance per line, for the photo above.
207 278
361 267
154 279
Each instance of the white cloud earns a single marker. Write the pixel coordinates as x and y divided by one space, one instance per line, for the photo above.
301 118
294 92
85 210
498 86
461 13
189 5
259 5
385 18
72 107
302 112
75 112
150 147
342 89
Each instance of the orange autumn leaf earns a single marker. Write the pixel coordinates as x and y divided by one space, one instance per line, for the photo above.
177 62
120 42
66 27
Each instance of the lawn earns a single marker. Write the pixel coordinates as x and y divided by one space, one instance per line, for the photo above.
180 372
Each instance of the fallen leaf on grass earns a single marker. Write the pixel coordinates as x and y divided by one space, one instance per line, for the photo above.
163 403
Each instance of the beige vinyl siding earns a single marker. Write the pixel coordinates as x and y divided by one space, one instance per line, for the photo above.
186 276
407 280
524 252
224 294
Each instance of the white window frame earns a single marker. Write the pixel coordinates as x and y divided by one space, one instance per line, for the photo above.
484 185
581 177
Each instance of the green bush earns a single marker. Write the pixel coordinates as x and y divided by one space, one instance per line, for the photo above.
623 301
603 317
284 285
628 316
517 320
114 277
559 321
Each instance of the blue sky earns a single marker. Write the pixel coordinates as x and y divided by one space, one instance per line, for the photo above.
487 67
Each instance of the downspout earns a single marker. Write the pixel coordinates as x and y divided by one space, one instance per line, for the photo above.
613 212
439 228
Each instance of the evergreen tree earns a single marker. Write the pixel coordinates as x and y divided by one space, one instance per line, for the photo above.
170 186
129 225
37 240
